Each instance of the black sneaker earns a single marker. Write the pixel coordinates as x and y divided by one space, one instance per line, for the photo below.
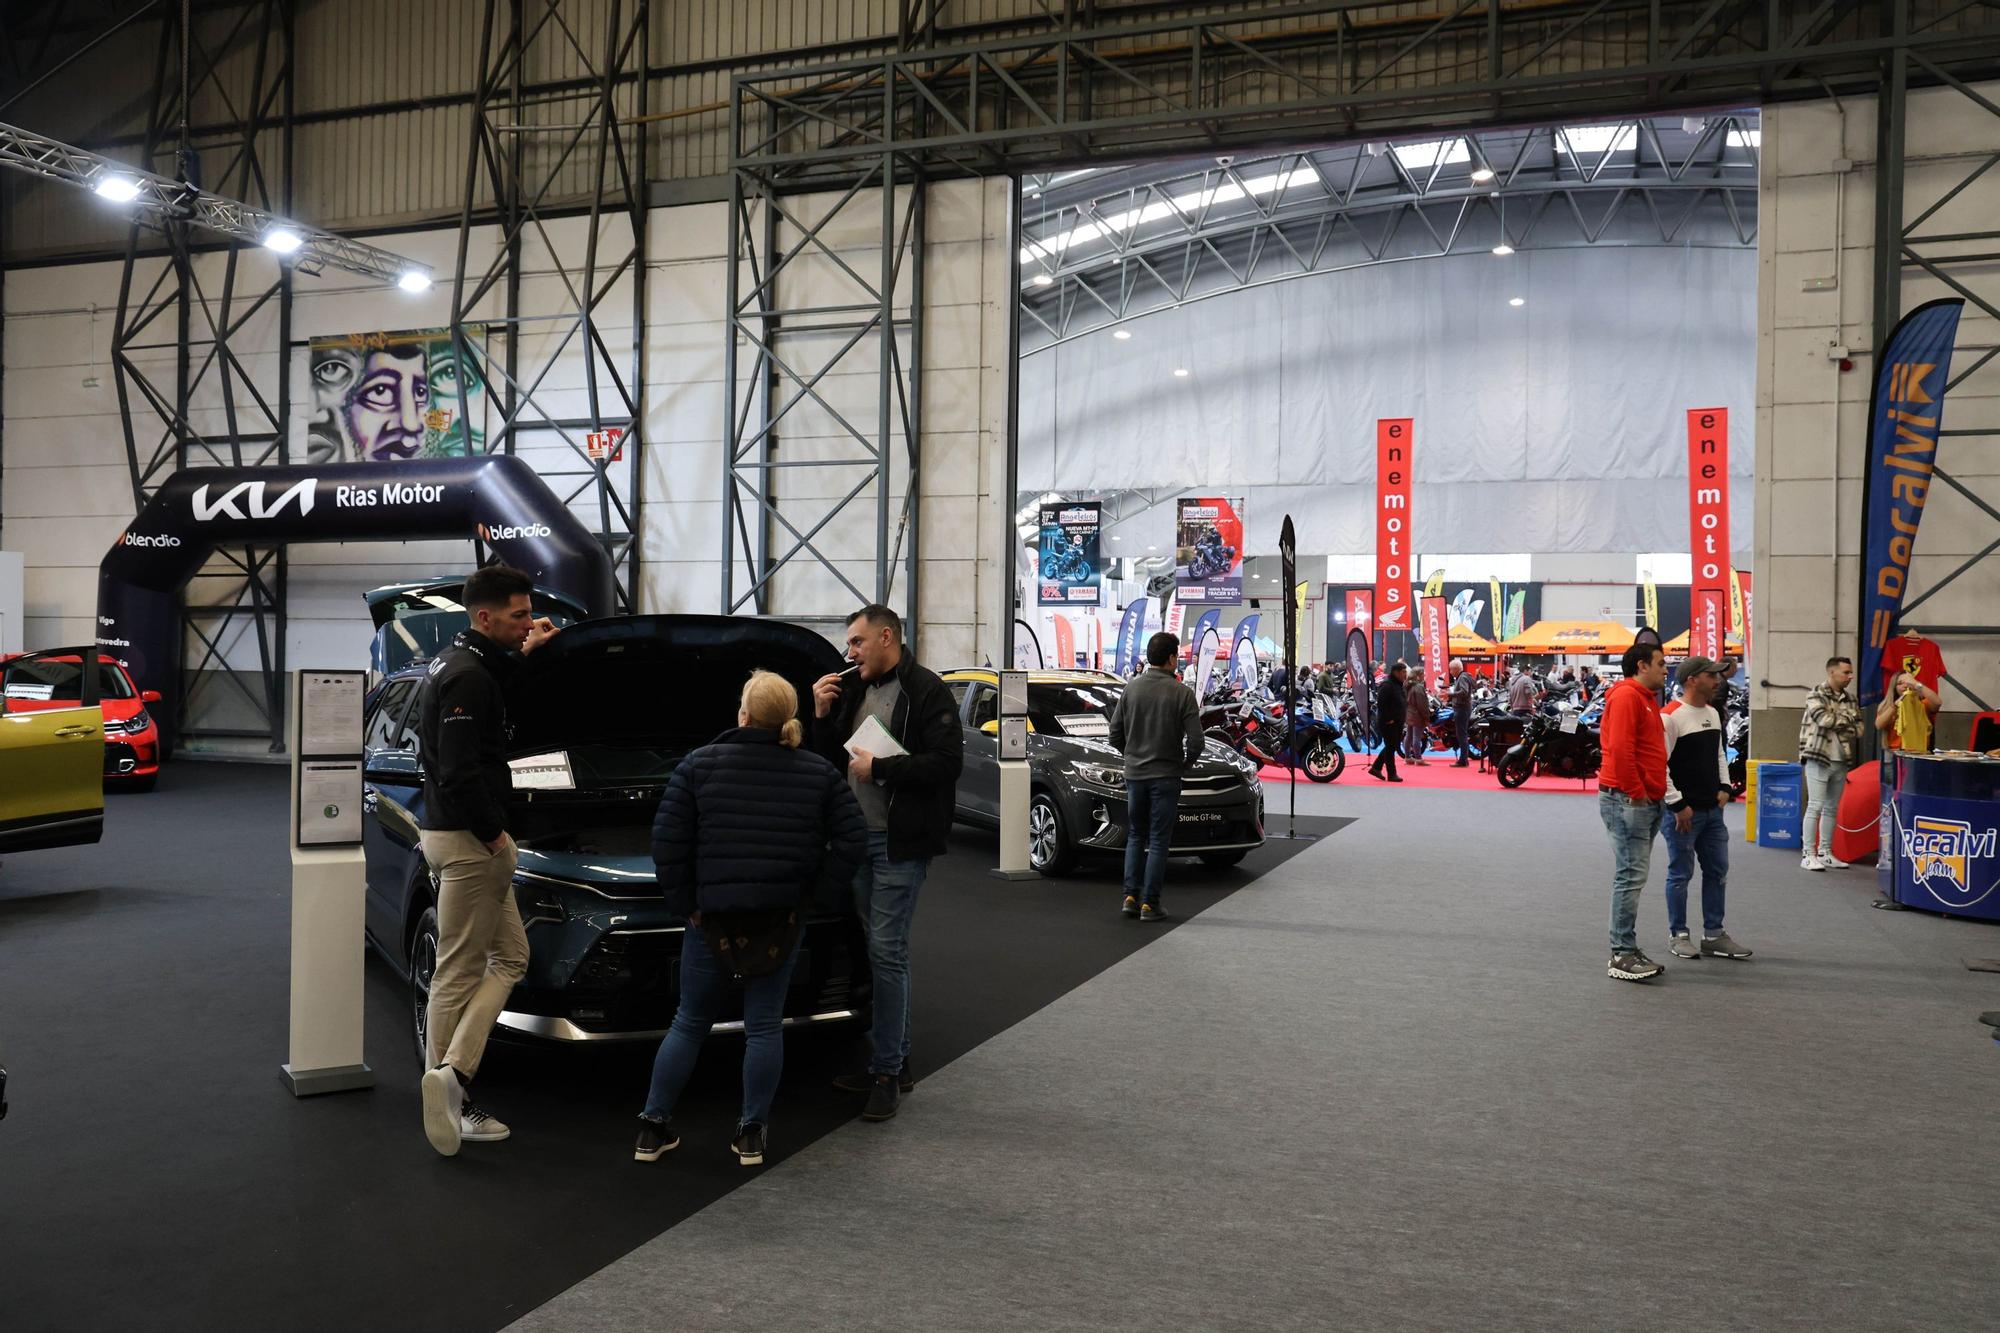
1131 907
1154 912
861 1082
749 1145
655 1138
883 1096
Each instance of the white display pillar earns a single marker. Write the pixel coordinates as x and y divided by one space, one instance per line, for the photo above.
329 885
1015 791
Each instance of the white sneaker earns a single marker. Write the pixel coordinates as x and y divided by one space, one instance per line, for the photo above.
475 1126
444 1098
1834 863
1811 862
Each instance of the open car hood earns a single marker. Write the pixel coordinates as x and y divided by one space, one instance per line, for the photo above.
661 681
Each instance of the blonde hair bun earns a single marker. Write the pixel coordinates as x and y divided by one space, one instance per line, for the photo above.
771 704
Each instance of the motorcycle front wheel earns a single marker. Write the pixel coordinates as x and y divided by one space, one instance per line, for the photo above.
1515 769
1325 762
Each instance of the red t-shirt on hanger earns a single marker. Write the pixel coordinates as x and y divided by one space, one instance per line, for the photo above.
1928 665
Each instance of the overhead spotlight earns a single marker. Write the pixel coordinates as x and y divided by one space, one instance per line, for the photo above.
1503 249
414 280
1152 548
1481 175
1180 372
1517 301
1044 280
118 189
283 240
1121 335
1116 538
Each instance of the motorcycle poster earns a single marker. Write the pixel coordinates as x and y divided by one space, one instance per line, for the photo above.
1208 549
1068 554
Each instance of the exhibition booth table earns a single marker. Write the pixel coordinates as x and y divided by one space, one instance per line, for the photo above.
1941 824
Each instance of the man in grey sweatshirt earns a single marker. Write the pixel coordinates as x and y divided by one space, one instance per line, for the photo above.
1157 727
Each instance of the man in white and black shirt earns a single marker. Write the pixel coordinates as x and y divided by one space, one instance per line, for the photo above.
1697 789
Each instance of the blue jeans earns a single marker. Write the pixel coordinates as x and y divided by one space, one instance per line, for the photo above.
885 898
1706 841
1151 806
704 984
1631 826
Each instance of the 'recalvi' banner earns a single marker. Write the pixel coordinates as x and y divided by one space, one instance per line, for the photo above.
495 497
1208 549
1904 415
1437 639
1393 561
1708 527
1068 554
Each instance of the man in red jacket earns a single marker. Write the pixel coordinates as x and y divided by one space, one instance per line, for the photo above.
1630 786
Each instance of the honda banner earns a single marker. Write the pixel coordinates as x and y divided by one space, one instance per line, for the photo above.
1068 573
1903 419
1437 639
1393 561
1208 549
1361 610
1708 524
1707 614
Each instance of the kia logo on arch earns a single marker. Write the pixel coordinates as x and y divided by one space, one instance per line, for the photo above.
501 532
249 500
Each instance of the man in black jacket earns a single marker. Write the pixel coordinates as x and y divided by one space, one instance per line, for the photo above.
482 948
1391 707
907 799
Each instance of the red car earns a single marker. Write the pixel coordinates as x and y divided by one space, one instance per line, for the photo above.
32 681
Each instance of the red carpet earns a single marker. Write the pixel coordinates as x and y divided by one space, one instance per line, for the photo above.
1438 774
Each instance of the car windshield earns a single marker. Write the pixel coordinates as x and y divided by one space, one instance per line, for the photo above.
424 625
1073 708
58 678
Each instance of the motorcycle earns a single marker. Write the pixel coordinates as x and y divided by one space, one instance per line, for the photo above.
1561 747
1210 556
1067 565
1442 734
1258 731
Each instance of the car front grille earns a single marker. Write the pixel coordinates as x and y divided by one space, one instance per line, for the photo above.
630 980
119 758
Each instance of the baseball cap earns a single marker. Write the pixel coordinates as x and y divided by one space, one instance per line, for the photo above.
1695 666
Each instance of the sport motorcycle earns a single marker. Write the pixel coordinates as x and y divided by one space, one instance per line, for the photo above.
1210 556
1547 747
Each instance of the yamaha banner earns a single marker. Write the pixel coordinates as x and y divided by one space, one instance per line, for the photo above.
1209 623
1903 419
495 497
1068 574
1131 652
1208 549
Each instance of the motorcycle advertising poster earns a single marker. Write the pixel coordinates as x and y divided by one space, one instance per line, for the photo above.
1208 549
1069 554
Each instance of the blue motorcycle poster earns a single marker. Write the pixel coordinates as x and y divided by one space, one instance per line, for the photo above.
1208 550
1068 573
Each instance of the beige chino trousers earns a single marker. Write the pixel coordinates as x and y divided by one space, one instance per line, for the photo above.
482 947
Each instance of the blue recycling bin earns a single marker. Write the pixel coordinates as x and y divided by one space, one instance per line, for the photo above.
1781 803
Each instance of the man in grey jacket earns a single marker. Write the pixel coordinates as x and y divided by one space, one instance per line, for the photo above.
1157 727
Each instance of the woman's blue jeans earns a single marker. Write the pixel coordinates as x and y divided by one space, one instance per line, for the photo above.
705 985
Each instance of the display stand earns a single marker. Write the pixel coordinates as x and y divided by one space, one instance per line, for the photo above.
329 885
1015 792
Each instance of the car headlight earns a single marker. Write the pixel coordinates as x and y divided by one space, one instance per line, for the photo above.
538 901
131 726
1099 775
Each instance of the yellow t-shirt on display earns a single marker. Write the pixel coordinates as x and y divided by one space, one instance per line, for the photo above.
1913 722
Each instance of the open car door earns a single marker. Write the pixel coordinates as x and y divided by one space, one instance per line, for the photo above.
52 756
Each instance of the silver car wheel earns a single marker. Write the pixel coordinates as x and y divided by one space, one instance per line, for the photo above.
1042 835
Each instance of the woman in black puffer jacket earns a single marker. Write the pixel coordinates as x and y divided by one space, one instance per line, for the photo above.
752 830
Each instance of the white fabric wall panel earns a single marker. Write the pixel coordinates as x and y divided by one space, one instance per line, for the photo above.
1557 426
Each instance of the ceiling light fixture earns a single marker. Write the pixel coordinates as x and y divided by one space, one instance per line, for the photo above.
1481 175
118 189
1180 372
1043 280
414 280
283 240
1517 301
1503 249
1121 334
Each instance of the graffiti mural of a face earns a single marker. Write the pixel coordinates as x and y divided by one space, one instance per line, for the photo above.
381 398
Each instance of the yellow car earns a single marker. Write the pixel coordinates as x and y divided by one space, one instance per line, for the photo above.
51 767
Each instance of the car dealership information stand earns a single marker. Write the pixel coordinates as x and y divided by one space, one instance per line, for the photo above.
1941 834
329 885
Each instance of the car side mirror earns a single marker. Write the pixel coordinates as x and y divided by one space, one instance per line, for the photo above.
149 696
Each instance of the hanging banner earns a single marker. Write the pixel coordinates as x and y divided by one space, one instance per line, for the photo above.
1434 585
1708 522
1361 679
1208 647
1435 614
1904 415
1361 610
1709 611
1068 554
1131 638
388 397
1208 549
1652 591
1065 645
1393 562
1176 616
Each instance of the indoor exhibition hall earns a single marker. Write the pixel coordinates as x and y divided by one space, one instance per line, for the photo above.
999 665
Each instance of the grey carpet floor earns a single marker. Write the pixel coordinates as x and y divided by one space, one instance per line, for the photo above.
1390 1087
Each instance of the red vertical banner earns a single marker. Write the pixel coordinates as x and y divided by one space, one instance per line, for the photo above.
1437 639
1361 611
1065 644
1708 529
1394 564
1749 604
